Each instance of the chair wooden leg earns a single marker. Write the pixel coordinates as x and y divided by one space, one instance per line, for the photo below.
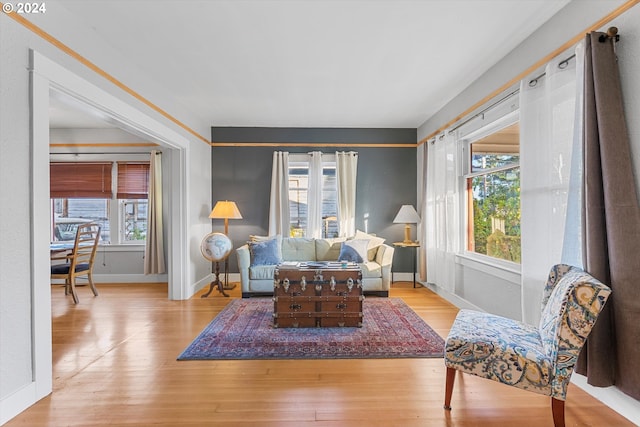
72 281
557 408
448 391
66 286
92 285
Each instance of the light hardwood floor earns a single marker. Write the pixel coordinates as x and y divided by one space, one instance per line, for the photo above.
114 363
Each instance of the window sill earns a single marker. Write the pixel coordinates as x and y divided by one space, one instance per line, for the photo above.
121 248
506 270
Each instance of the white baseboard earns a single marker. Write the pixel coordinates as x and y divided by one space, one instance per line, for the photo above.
201 284
130 278
625 405
15 403
452 298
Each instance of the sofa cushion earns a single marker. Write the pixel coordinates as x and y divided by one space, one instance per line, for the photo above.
354 250
264 253
373 243
328 249
262 272
298 249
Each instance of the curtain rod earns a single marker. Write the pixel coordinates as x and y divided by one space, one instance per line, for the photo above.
612 32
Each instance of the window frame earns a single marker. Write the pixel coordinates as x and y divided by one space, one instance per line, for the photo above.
298 159
115 205
467 139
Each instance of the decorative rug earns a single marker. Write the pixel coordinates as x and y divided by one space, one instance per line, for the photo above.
244 330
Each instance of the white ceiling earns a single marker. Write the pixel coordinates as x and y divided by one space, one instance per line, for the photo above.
313 63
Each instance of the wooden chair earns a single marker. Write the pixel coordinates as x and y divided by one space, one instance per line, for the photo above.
535 358
79 262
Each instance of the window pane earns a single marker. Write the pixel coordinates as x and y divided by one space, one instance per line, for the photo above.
298 199
501 148
494 221
329 201
69 213
134 220
298 189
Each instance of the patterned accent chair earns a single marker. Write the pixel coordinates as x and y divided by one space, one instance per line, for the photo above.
539 359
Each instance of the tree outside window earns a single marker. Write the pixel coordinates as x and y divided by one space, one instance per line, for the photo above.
493 195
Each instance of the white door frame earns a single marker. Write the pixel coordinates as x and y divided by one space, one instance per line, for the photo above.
47 75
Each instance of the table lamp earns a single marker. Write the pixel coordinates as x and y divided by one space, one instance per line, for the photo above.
407 215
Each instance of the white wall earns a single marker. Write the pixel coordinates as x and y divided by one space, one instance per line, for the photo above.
490 288
18 347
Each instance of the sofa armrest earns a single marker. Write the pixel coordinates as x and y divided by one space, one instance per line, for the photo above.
384 257
244 261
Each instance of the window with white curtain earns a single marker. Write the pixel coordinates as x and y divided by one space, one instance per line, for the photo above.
300 190
113 194
492 183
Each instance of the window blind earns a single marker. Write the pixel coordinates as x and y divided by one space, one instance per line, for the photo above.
133 180
80 180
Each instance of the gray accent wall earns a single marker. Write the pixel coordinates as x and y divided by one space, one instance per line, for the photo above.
386 177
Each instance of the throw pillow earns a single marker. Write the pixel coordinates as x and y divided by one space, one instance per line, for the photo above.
264 253
354 250
373 241
278 237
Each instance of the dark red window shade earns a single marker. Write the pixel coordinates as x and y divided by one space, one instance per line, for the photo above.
133 180
80 180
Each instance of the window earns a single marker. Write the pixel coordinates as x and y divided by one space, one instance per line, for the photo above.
493 192
133 190
83 192
299 192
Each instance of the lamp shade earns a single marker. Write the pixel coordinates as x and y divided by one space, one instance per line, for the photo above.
225 210
407 215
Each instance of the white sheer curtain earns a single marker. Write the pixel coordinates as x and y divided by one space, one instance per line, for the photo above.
550 170
346 173
422 211
154 245
279 222
442 210
314 196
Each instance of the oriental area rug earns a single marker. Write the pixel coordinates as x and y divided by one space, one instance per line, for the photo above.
244 330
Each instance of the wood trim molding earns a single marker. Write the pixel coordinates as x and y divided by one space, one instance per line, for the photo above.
311 144
105 144
574 40
93 67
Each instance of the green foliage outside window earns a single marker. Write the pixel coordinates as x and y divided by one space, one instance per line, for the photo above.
496 214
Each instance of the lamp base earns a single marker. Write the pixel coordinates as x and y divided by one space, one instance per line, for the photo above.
228 286
407 234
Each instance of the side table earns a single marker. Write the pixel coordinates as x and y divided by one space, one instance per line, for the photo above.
415 246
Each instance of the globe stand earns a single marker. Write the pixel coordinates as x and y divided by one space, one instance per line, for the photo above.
216 282
216 247
226 285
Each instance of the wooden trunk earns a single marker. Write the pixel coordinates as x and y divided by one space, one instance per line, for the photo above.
317 297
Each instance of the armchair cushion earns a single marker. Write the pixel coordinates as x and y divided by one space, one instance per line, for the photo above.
500 349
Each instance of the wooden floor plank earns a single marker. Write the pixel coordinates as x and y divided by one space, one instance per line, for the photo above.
114 361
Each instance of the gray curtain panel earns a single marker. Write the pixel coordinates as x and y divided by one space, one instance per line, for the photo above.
611 224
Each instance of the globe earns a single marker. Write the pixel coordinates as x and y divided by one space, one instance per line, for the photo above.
216 247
